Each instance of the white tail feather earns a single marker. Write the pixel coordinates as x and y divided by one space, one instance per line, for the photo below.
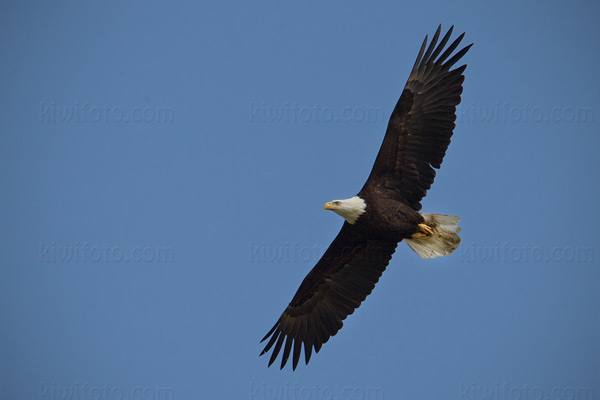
444 240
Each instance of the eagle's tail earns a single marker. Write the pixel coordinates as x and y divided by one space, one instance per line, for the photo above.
444 239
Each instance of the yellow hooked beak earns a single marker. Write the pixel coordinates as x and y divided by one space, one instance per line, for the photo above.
329 206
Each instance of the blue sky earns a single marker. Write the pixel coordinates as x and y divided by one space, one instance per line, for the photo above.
163 171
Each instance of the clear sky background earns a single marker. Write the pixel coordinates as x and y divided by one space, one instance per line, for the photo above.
164 167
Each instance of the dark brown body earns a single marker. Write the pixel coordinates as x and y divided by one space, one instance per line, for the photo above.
387 218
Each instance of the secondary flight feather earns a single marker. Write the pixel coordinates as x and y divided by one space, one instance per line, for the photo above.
385 211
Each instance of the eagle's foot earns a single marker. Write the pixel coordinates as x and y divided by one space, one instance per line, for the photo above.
424 232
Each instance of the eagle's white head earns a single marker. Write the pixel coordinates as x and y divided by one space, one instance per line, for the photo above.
350 209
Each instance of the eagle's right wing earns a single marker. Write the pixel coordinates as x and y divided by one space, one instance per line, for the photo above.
332 290
421 124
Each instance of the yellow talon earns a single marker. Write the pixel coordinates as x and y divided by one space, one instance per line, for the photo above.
426 229
425 232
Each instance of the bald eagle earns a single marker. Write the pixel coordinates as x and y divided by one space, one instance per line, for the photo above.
385 211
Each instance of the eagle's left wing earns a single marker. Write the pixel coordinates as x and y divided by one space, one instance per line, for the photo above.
332 290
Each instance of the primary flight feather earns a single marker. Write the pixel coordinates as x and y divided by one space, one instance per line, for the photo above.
385 211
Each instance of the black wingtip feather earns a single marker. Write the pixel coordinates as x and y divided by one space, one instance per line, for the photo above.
277 348
434 39
317 347
442 43
270 343
286 351
307 352
448 64
418 60
297 350
270 332
451 48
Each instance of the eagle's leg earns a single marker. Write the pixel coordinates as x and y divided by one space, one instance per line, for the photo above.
424 232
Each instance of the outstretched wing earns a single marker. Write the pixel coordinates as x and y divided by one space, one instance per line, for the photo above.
421 124
332 290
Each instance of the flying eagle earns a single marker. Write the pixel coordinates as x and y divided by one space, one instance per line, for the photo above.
385 211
